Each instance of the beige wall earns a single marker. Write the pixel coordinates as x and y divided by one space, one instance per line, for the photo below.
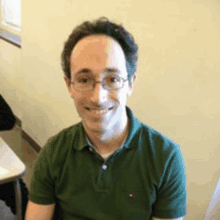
176 90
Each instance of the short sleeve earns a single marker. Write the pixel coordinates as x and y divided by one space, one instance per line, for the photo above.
42 187
171 195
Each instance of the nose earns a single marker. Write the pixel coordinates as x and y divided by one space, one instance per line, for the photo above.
99 94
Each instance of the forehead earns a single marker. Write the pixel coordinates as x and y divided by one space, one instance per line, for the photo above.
97 52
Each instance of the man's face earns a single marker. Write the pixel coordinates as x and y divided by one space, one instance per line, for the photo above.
98 56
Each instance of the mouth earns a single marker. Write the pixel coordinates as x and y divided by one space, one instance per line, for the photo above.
98 111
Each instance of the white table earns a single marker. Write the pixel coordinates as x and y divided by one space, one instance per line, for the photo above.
11 168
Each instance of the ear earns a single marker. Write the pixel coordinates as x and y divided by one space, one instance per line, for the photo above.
131 85
67 80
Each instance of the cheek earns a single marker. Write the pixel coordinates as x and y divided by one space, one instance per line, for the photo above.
77 98
78 102
114 98
81 101
121 98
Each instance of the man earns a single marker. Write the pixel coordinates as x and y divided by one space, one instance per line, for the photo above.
110 165
7 192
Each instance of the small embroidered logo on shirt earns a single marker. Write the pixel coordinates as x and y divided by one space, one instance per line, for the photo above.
132 195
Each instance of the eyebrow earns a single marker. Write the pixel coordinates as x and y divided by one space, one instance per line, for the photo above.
108 70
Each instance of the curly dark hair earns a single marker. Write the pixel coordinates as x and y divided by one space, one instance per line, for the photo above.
102 26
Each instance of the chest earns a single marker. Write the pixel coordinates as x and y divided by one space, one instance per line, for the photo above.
118 186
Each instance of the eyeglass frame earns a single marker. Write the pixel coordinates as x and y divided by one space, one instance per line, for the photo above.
103 85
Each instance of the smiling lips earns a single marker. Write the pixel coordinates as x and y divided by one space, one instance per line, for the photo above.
98 112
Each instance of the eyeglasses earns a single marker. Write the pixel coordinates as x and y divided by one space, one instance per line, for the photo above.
110 82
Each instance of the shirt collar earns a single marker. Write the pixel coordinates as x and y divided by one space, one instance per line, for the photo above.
134 127
90 144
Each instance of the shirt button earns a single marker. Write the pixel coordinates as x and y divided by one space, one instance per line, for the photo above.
90 149
132 195
104 167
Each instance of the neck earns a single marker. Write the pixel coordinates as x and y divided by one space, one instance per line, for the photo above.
110 139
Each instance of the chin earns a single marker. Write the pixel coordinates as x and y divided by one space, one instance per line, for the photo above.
94 127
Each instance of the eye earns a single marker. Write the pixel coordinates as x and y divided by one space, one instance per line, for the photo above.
83 80
114 79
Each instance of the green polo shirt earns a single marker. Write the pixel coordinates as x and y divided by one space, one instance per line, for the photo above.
143 178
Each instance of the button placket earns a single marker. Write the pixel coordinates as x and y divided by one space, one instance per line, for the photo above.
103 177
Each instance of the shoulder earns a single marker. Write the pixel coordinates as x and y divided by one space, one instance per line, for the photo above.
156 140
146 136
59 144
160 151
65 135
